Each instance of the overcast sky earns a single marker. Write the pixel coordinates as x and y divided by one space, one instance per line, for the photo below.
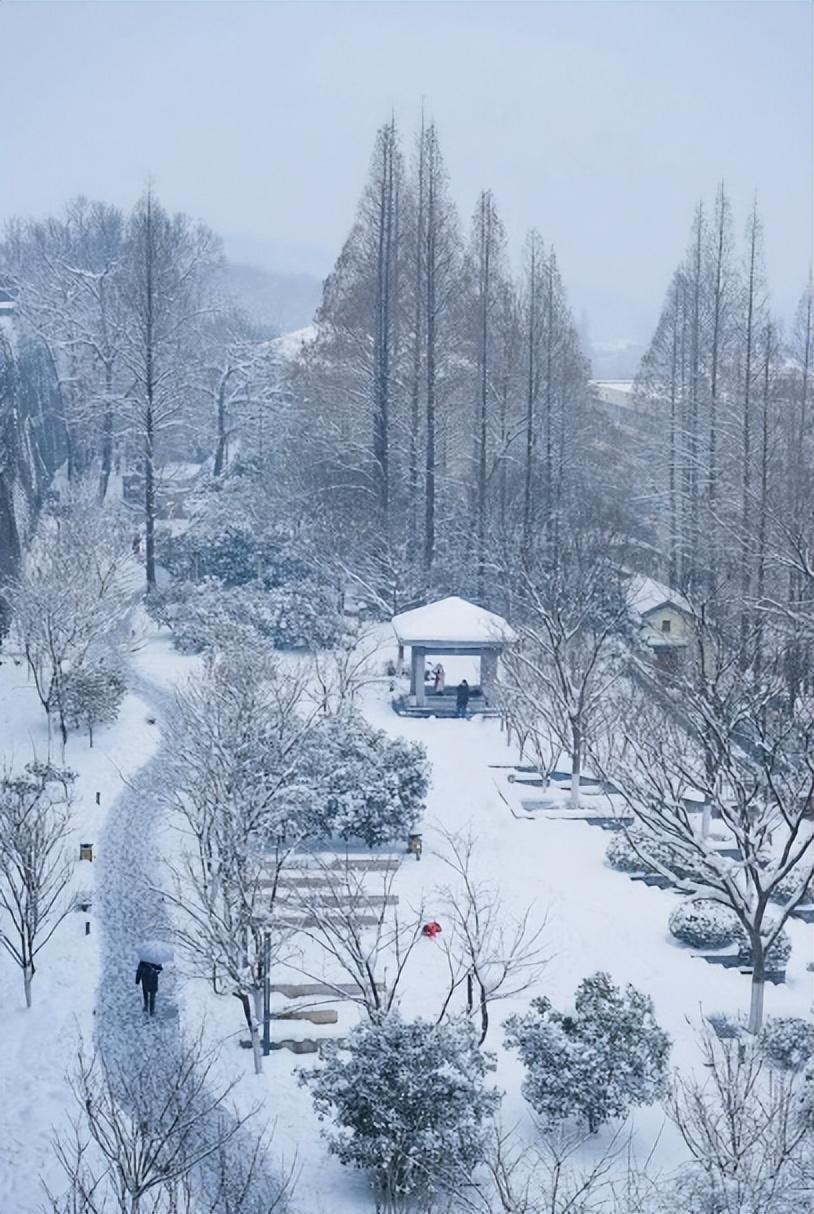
600 123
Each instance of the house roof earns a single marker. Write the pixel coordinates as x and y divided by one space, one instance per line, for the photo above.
645 595
452 621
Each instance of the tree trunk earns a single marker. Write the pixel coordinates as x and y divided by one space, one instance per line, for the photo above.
758 984
484 1014
28 978
257 1047
576 762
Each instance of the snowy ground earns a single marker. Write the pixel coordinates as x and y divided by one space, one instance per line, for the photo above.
595 919
39 1046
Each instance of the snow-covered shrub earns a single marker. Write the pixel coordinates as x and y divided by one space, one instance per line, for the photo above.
704 924
91 695
208 615
620 854
302 615
724 1026
776 956
624 848
787 1042
370 786
595 1062
789 888
408 1103
228 543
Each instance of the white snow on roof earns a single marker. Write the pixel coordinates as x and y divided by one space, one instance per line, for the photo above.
452 620
645 594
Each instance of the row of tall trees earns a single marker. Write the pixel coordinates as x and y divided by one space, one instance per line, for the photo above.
123 353
445 398
726 426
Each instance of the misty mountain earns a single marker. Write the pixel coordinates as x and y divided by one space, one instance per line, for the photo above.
277 300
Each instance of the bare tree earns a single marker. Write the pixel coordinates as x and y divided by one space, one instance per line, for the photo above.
357 934
493 955
146 1140
238 792
170 263
547 1177
752 759
35 871
742 1127
341 673
557 680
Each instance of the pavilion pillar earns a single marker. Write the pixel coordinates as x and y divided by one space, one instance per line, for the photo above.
418 661
488 673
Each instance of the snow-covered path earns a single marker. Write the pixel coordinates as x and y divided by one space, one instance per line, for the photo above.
129 911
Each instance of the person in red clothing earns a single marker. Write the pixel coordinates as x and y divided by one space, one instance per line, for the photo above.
431 929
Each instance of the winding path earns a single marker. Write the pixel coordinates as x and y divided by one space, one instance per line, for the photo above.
129 912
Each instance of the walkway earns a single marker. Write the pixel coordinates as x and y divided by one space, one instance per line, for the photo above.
129 912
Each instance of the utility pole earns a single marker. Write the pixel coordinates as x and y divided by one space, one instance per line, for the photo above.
266 993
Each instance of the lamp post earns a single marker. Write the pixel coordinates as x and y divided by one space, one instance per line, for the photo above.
266 993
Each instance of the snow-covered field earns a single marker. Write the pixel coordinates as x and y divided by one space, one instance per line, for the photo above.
596 918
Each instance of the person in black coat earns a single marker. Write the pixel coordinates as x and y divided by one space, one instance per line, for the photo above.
461 698
147 975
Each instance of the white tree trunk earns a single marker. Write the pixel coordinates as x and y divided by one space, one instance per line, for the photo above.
756 1005
758 987
576 765
257 1050
28 977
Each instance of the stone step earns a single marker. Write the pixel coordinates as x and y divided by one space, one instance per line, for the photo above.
337 900
311 921
657 880
326 1015
311 990
608 823
307 1045
734 961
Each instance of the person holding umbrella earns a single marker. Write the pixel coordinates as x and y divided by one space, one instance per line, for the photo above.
152 957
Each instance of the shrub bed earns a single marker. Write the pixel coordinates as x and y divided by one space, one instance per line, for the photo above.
787 1042
704 924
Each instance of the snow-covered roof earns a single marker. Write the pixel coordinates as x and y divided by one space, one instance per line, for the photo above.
451 621
645 594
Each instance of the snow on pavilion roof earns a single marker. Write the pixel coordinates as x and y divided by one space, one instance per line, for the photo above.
451 621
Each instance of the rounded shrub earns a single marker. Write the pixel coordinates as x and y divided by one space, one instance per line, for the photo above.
776 957
789 888
621 855
704 924
787 1042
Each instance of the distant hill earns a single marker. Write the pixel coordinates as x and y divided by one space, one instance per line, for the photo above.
282 302
615 359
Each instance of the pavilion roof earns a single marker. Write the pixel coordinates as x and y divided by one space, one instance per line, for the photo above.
453 621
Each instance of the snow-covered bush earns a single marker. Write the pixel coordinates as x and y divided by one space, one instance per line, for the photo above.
776 956
370 786
725 1027
704 924
208 615
596 1061
302 615
92 695
409 1105
787 1042
789 888
235 548
626 849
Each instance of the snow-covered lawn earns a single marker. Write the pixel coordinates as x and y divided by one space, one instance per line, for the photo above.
596 918
39 1046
